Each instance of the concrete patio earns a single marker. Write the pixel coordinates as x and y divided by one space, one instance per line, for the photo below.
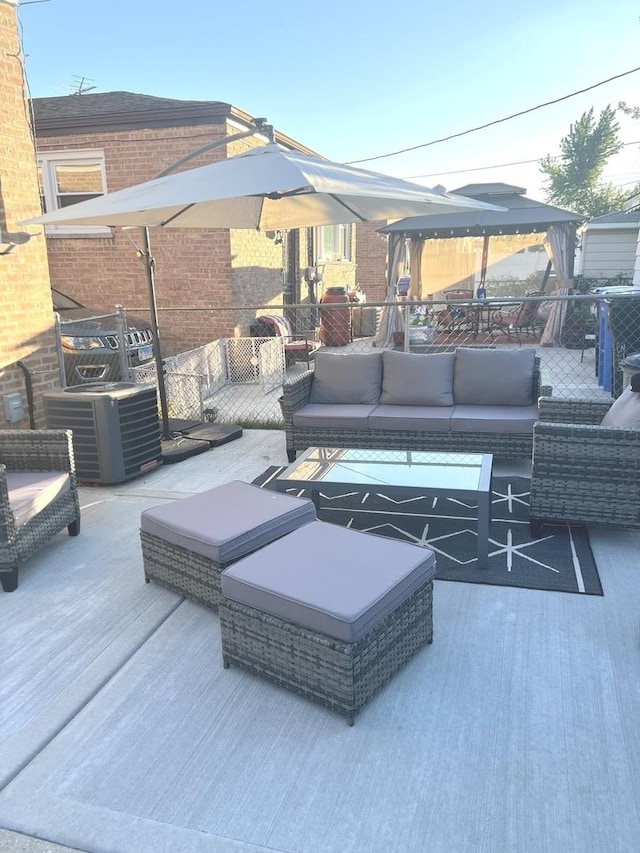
517 730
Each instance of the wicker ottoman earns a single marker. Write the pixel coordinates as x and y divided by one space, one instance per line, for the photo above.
329 612
187 543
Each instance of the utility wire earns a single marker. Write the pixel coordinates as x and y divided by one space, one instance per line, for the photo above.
496 121
495 166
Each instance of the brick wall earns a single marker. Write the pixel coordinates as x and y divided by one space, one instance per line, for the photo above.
26 332
371 273
193 267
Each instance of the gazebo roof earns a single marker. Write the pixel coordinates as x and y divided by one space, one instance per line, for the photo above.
522 216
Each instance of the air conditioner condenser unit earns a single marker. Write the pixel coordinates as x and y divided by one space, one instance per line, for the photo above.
115 426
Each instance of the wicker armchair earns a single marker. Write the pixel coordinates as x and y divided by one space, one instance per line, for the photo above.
24 530
583 472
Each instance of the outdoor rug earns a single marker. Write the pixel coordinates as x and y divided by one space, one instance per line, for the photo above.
560 559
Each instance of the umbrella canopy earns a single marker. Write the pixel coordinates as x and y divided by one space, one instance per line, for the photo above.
267 189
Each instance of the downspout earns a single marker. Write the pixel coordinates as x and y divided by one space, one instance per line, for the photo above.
29 391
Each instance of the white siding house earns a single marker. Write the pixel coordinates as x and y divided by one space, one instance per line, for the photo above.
608 246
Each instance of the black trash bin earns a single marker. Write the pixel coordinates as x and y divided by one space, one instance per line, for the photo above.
629 366
624 322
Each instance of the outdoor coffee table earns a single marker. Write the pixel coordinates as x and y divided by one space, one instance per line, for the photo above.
399 474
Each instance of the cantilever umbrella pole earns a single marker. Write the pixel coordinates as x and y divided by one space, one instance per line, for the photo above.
157 354
261 127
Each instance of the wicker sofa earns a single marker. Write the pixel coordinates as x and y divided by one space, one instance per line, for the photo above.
586 471
473 400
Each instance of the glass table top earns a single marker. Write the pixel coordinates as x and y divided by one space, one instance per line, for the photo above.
399 468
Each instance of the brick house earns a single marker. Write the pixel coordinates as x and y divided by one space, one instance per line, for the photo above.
93 143
28 360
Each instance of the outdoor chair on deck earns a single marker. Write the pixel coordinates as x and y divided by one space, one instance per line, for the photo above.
586 471
522 318
38 495
296 347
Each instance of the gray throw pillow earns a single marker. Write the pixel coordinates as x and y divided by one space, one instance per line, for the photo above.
625 412
411 379
493 377
349 378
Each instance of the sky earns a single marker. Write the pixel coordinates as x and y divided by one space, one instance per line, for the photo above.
355 80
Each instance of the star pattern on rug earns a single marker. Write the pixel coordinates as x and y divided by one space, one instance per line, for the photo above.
560 559
510 497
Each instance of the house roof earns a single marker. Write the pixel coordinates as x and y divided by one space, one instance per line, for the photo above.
111 111
523 216
628 218
117 110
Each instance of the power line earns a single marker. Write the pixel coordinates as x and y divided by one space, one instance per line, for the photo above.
495 166
496 121
473 169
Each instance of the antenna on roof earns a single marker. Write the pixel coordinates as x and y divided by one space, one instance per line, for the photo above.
81 86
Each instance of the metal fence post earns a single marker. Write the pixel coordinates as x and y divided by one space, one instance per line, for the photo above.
121 328
60 355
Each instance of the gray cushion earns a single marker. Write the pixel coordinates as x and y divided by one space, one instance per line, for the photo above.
330 579
227 522
506 420
625 411
333 416
410 379
411 418
351 378
494 377
30 492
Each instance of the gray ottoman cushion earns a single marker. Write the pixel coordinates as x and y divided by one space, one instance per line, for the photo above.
330 579
227 522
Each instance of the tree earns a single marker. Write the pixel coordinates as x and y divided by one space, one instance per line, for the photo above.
574 178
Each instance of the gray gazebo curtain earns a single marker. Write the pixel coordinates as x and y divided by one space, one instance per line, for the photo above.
390 315
415 265
561 241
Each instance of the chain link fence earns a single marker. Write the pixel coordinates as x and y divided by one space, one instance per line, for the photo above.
586 345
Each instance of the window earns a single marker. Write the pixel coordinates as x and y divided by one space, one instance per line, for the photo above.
68 177
333 243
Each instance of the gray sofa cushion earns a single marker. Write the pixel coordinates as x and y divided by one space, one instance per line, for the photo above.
333 415
625 411
227 522
507 420
493 377
412 418
330 579
351 378
410 379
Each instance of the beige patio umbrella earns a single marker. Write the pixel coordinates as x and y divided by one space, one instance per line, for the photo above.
267 189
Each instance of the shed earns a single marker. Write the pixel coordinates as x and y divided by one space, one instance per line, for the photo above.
608 245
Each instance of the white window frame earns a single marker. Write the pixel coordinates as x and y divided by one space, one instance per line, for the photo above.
341 240
47 161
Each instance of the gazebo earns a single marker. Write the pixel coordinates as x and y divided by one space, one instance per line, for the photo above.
521 216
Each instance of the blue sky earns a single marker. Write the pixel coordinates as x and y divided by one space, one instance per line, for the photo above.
356 80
